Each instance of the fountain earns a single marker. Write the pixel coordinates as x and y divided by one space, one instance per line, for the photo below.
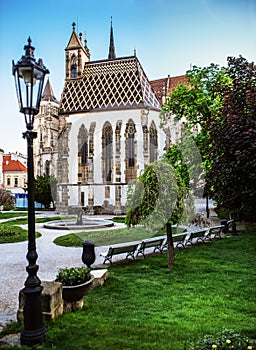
79 223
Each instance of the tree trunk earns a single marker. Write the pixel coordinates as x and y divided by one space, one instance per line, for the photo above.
170 245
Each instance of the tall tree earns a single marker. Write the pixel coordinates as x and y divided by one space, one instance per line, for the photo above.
45 189
157 200
233 140
198 102
222 101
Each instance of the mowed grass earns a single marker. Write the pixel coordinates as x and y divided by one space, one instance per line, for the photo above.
8 215
11 232
110 236
105 237
144 305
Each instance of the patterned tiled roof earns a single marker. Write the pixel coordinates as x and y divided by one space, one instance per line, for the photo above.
109 84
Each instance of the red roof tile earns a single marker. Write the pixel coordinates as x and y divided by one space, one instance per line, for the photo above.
163 87
12 165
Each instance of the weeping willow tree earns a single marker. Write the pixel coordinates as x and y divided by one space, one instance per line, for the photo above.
157 201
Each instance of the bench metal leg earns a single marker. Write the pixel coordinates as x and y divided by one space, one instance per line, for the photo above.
108 258
130 254
159 248
141 252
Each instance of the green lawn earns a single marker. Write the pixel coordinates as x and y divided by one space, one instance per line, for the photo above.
11 232
144 305
107 237
8 215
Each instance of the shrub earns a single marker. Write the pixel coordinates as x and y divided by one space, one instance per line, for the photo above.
118 219
227 339
73 276
6 231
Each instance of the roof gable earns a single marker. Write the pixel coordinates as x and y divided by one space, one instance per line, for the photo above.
74 41
109 84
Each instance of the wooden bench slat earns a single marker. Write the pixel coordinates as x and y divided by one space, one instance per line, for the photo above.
126 248
155 242
195 235
179 238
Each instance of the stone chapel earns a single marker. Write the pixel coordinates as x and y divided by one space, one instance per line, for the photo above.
104 131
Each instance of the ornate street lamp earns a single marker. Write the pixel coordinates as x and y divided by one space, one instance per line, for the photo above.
29 79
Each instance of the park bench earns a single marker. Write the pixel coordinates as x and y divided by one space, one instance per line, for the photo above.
178 238
126 248
213 232
229 225
154 242
195 237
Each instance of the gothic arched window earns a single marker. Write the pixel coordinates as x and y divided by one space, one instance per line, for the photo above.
47 168
73 67
107 141
130 149
83 145
152 143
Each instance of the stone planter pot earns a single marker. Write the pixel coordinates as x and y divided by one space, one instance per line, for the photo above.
75 293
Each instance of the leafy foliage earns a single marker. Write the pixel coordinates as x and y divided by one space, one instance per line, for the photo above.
6 231
73 276
227 339
157 200
197 101
186 159
6 198
154 199
233 139
222 101
45 189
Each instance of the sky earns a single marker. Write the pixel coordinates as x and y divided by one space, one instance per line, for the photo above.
169 37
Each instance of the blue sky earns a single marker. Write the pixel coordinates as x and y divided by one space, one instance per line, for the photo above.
168 35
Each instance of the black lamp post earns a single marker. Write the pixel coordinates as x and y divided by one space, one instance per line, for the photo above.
29 79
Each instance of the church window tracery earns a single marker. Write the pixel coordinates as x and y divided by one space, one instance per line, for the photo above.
82 153
152 143
107 150
130 143
73 67
130 151
47 167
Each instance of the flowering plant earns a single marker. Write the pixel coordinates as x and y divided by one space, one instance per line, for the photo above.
73 276
227 339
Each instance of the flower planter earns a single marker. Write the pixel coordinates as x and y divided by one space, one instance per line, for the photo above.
75 293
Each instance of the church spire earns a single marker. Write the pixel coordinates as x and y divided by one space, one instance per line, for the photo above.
48 94
111 54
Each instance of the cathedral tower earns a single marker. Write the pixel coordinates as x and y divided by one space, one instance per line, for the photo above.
77 55
47 127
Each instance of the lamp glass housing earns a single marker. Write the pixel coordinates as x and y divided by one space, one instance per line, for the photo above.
29 80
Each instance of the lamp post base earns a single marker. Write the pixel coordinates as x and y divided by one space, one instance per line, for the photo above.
31 338
34 330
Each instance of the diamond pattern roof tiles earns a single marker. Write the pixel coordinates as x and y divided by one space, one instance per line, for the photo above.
109 84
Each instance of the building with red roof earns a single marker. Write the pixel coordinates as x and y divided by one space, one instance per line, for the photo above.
14 176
